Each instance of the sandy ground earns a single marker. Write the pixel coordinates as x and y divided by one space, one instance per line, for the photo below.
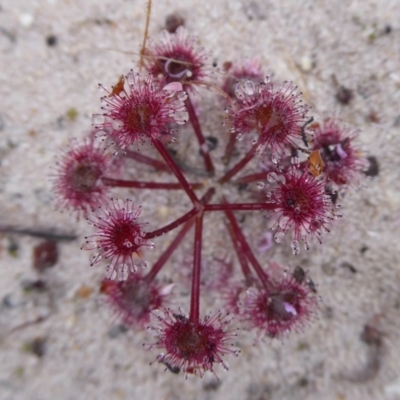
320 45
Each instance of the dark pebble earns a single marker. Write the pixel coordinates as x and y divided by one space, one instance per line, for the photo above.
173 22
373 169
38 346
116 331
51 40
45 255
344 95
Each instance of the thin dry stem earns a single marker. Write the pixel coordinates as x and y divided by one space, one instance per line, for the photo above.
146 31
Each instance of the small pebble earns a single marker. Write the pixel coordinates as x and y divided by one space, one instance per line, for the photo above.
364 249
328 312
212 142
84 292
227 65
26 20
306 64
37 346
45 255
13 248
303 382
373 169
10 301
34 286
344 95
72 114
371 335
116 331
373 117
51 40
387 30
349 267
211 385
173 22
254 11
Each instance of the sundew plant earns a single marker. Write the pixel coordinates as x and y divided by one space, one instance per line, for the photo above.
269 156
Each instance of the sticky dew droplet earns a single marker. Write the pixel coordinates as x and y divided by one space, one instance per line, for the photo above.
260 185
275 158
123 272
111 273
294 160
98 119
138 240
279 237
238 93
272 177
130 79
152 88
132 268
274 225
117 124
283 222
249 87
182 96
295 245
181 117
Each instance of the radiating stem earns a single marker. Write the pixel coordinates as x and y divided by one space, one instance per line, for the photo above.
259 176
172 225
240 253
175 243
175 169
207 196
146 185
240 207
240 165
200 137
194 211
168 252
248 252
195 293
